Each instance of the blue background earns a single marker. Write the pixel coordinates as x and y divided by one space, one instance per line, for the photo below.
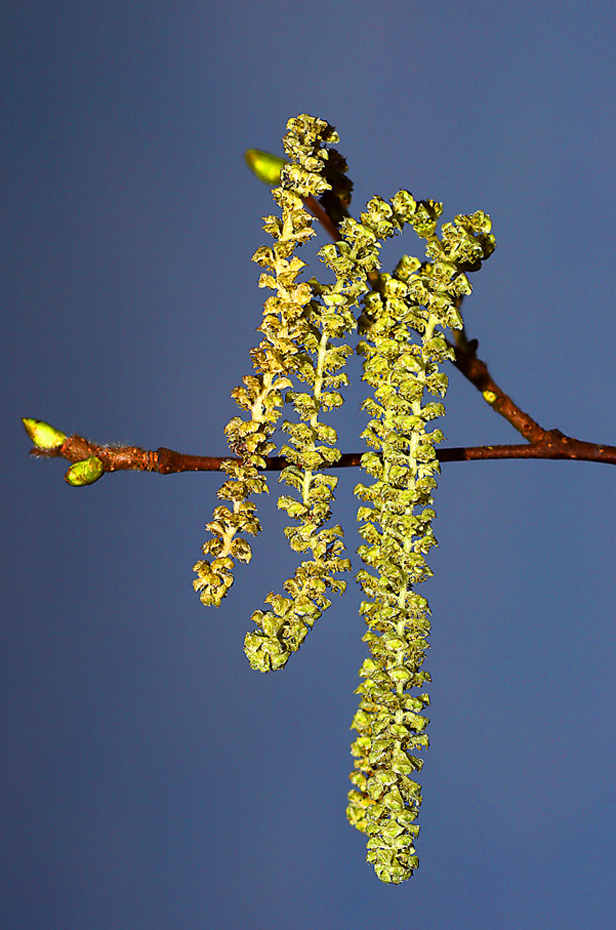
150 779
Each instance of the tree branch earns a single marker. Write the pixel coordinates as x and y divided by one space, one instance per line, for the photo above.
476 371
551 445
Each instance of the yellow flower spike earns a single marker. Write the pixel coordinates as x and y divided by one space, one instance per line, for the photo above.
42 434
85 472
266 166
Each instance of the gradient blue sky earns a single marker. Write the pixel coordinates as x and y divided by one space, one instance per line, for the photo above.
150 780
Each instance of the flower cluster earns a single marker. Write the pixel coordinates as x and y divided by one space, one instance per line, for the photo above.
274 359
322 354
401 318
403 350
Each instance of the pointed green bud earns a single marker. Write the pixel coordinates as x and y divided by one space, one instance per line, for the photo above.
42 434
85 472
266 166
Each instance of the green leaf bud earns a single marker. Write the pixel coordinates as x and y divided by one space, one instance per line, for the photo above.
43 435
85 472
265 166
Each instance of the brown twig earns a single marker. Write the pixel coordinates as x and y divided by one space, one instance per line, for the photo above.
552 445
477 373
319 212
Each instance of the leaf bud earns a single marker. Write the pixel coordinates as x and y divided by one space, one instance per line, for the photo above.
266 166
85 472
42 434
